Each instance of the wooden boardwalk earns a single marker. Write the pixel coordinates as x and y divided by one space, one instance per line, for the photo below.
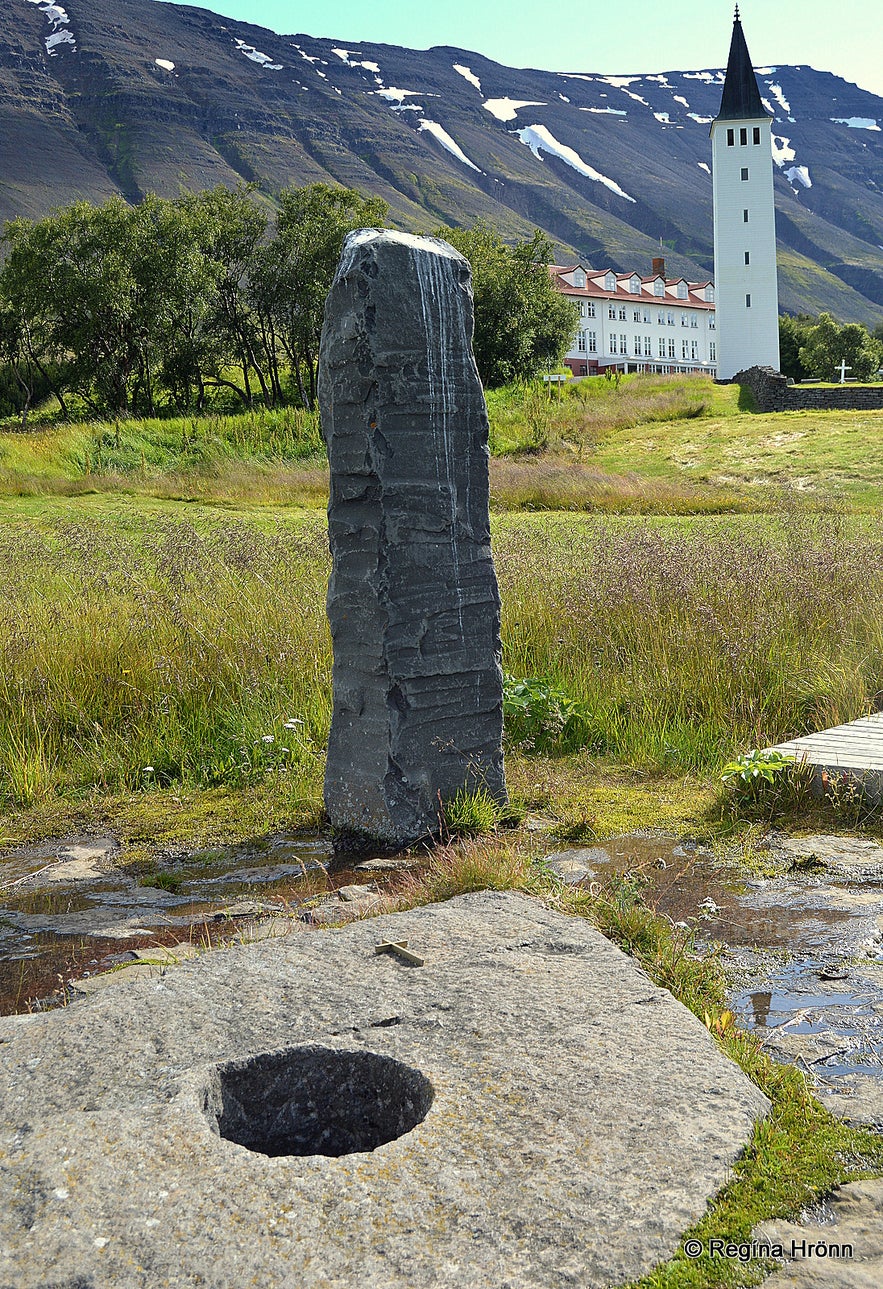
855 750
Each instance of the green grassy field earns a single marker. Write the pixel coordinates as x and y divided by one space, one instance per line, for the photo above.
688 578
699 579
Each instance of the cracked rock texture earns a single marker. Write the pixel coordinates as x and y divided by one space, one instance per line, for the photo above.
413 602
548 1117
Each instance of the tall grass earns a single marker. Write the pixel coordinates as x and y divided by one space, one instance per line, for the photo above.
203 653
524 418
148 654
685 645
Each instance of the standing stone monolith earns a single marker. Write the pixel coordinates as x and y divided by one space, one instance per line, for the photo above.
413 602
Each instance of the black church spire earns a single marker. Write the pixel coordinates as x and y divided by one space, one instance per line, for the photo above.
741 99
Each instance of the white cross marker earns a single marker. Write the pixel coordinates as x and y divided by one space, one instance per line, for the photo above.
843 369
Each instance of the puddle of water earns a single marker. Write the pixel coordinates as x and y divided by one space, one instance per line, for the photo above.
51 935
780 933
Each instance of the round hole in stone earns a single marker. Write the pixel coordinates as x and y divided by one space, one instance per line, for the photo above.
316 1101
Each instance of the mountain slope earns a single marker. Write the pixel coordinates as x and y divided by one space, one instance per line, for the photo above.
131 96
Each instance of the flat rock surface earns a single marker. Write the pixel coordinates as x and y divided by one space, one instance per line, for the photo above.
816 1256
580 1117
857 858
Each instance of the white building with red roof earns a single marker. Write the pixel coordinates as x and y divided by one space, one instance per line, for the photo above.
632 323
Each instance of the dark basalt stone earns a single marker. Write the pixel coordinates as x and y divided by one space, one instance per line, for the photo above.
413 602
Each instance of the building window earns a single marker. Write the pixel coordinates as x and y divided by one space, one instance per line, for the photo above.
731 138
757 134
590 309
660 318
747 301
671 349
581 347
613 343
592 338
683 320
711 322
747 257
659 287
648 348
611 312
684 349
646 315
694 321
582 308
610 282
743 136
712 350
579 278
694 350
744 216
637 315
622 313
682 290
638 346
662 349
623 344
709 293
671 319
744 173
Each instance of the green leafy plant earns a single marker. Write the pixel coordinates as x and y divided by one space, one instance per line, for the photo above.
751 766
768 784
538 716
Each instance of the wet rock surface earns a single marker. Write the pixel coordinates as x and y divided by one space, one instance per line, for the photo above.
843 1250
413 602
803 950
530 1163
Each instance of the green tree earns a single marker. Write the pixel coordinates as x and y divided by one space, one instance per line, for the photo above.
828 344
522 324
298 267
793 333
231 228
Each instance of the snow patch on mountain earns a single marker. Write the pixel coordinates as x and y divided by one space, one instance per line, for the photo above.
776 91
310 58
703 165
467 75
710 78
539 139
701 120
255 56
506 109
856 122
165 63
394 95
679 98
438 132
605 111
782 150
798 175
663 117
345 55
58 20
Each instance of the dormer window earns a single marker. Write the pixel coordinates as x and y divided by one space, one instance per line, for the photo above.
634 284
682 290
610 282
709 294
579 279
659 287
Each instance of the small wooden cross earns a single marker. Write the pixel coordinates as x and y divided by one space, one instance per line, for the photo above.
402 951
843 369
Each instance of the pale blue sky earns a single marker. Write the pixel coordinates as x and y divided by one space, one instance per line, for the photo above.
598 36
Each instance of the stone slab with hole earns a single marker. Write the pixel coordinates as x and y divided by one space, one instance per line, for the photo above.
527 1110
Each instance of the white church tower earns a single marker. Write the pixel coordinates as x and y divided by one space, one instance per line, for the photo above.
746 287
